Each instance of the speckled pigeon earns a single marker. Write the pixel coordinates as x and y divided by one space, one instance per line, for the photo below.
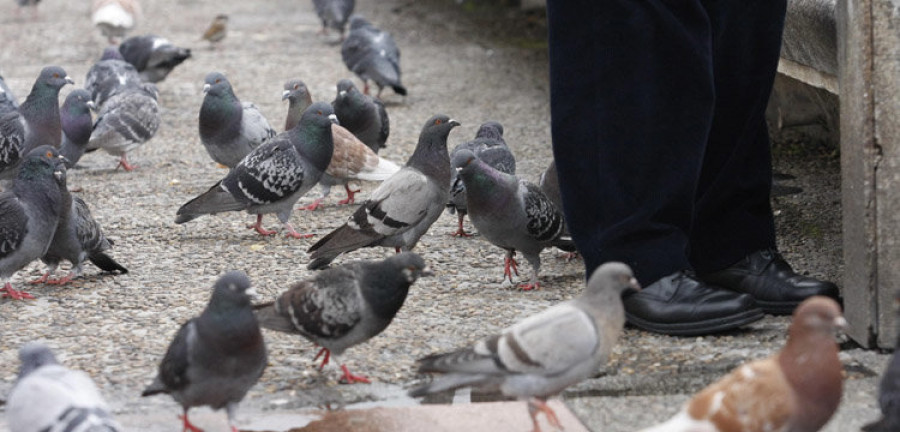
543 354
346 305
110 75
510 213
126 121
216 357
49 397
8 101
77 124
29 214
362 115
403 207
229 128
490 147
889 388
372 54
115 18
274 175
36 122
154 57
334 14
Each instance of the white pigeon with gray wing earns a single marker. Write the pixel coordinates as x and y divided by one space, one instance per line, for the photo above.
229 128
126 121
153 56
48 397
110 75
540 356
115 18
372 55
77 125
8 101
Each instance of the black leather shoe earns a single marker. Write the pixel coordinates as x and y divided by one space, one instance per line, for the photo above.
681 305
769 279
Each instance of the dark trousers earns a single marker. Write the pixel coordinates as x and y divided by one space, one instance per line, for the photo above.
659 132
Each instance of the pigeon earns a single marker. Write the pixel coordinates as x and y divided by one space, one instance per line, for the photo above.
229 128
334 14
362 115
344 306
490 147
372 54
126 121
110 75
36 122
29 213
274 175
403 207
115 18
78 237
510 213
50 397
216 357
154 57
798 389
33 4
77 124
889 389
8 101
543 354
217 30
351 159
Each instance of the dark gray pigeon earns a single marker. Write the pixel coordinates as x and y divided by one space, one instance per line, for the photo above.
274 175
154 57
490 147
216 357
229 128
543 354
50 397
110 75
126 121
510 213
403 207
373 55
36 122
889 388
8 101
29 213
77 124
334 14
344 306
362 115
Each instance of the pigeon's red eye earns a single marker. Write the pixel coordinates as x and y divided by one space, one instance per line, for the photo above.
319 112
49 154
56 75
296 86
437 122
218 81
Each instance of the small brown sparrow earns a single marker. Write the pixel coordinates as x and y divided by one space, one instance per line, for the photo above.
217 30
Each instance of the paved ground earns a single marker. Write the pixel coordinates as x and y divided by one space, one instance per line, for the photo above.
467 60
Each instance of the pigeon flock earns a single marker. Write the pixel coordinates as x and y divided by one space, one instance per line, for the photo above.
216 357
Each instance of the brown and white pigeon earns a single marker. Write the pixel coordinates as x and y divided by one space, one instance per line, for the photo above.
540 356
797 390
362 115
346 305
115 18
403 207
372 55
229 128
153 56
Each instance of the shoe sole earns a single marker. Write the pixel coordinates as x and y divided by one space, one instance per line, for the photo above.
777 308
698 328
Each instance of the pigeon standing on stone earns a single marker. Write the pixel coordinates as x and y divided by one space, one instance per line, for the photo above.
510 213
229 128
362 115
216 31
115 18
29 214
889 388
216 357
403 207
543 354
110 75
274 175
35 123
154 57
373 55
345 306
797 389
48 397
334 14
77 124
126 121
490 147
8 101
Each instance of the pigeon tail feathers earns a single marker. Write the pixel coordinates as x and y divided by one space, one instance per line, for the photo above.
215 200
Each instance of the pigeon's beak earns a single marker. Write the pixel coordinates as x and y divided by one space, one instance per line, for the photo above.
285 94
91 105
427 271
252 294
454 122
333 118
70 80
342 93
205 88
633 284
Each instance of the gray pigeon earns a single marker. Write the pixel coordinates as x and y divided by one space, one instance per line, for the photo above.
274 175
50 397
362 115
29 213
490 147
110 75
36 122
8 101
126 121
372 54
889 387
403 207
154 57
229 128
543 354
334 14
510 213
344 306
216 357
77 124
